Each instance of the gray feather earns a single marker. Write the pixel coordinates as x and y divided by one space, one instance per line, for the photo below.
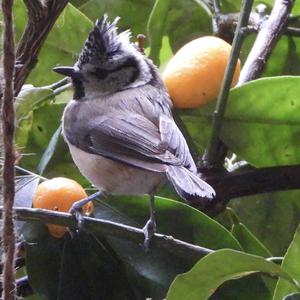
188 185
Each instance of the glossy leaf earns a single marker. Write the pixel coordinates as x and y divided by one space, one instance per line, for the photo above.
78 267
216 268
263 114
154 271
291 265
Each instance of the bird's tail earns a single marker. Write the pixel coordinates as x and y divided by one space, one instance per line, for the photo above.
188 185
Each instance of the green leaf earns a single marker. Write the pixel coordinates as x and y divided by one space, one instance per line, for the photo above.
272 217
249 241
155 28
134 13
153 272
45 121
252 245
263 114
30 98
48 154
186 21
291 265
78 267
215 269
62 45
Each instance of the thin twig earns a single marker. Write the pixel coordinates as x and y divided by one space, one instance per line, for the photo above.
269 34
8 119
211 153
109 228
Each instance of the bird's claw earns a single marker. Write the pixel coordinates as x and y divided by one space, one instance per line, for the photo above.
77 212
149 230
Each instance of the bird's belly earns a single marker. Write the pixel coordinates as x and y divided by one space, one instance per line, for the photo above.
114 177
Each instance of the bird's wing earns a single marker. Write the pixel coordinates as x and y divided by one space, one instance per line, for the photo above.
135 140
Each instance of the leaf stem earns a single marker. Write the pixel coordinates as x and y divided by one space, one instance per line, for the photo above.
209 159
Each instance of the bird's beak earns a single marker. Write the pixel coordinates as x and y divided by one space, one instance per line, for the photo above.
68 71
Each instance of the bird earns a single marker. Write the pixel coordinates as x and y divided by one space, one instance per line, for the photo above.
119 125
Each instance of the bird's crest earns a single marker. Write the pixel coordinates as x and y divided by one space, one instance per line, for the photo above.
103 41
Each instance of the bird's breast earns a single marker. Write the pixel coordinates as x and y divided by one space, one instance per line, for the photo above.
115 177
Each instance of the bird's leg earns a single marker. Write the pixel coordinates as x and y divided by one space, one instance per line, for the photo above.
76 209
150 227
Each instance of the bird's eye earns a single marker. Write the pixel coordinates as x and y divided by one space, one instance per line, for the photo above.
100 73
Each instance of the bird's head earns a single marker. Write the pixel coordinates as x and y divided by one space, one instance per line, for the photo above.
108 62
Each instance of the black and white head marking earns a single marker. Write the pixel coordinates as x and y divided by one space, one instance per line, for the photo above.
109 62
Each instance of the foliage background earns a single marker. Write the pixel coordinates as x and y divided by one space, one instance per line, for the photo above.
261 127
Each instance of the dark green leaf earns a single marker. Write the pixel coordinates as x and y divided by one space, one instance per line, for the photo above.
216 268
78 267
153 272
291 265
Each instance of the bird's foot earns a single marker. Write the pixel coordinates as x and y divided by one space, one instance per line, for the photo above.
77 211
149 231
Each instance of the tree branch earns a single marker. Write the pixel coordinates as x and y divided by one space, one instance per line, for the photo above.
41 19
269 34
109 228
8 121
247 182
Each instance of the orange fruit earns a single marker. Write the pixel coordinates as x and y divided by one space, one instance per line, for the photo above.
59 194
194 75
